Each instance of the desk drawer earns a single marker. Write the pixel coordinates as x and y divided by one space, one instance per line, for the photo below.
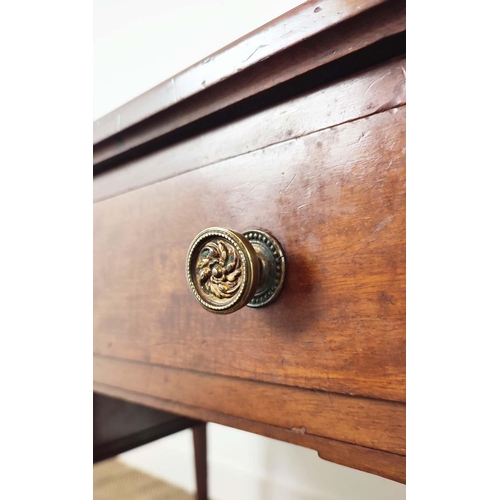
334 198
328 181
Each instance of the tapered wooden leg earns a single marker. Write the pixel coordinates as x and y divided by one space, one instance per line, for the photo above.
200 459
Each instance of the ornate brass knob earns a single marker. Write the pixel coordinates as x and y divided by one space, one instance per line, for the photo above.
227 270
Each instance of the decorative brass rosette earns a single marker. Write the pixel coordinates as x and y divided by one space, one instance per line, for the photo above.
222 270
227 270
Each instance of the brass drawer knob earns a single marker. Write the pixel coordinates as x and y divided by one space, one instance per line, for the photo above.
227 270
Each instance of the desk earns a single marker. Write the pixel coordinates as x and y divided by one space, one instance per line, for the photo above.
297 129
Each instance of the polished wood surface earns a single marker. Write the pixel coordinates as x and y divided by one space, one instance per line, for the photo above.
339 323
319 161
389 465
297 25
332 45
365 93
367 422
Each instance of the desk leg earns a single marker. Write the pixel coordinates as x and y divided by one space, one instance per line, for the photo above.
200 458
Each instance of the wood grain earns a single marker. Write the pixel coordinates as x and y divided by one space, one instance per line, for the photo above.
294 130
333 44
297 25
368 92
389 465
335 200
366 422
383 464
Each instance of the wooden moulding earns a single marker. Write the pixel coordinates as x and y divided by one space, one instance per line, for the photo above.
156 113
366 422
293 27
389 465
356 96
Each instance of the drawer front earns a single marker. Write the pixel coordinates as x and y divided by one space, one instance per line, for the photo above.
325 363
335 199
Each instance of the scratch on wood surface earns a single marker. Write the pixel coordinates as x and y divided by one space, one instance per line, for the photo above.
251 190
258 48
175 90
290 183
302 206
366 241
362 136
374 83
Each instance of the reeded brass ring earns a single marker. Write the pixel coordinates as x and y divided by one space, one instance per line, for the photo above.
227 270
